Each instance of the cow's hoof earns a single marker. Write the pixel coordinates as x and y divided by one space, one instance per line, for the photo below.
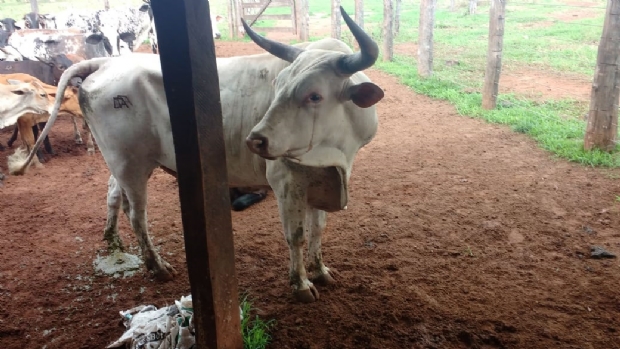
164 272
324 279
79 141
307 296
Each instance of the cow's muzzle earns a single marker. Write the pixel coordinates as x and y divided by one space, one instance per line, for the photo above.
259 145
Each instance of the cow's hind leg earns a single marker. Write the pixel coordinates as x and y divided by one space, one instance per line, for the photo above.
110 234
90 144
134 186
315 224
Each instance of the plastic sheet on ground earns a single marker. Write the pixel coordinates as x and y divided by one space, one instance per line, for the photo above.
170 327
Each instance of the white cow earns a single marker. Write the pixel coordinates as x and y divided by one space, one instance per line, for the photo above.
309 124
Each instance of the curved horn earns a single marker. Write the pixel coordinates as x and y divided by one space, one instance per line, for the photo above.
369 50
282 51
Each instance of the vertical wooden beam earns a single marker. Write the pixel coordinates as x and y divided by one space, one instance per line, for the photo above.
425 38
260 12
106 4
473 6
388 30
191 82
602 129
239 14
303 19
34 6
494 54
294 17
232 28
359 13
336 19
397 11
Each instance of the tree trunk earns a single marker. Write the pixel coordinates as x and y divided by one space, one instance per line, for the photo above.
602 129
494 54
388 30
425 38
34 6
336 33
303 18
359 13
397 16
473 6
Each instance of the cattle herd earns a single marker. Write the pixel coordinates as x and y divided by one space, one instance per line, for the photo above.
294 119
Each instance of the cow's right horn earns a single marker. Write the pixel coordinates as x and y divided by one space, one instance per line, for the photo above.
282 51
369 50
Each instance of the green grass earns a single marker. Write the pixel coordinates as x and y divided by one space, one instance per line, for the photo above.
255 332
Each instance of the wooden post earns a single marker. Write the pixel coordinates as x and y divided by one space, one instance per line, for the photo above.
359 13
239 14
388 30
34 6
303 19
336 19
473 6
397 16
602 129
232 28
425 38
190 77
494 54
452 5
106 4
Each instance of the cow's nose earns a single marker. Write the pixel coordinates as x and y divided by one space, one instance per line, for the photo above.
257 143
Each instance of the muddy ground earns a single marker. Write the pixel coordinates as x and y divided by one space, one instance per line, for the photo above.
458 234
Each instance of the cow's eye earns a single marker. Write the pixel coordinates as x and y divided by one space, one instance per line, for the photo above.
315 97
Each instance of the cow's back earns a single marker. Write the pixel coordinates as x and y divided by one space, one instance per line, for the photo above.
37 69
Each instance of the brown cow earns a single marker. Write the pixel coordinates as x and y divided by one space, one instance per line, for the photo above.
70 105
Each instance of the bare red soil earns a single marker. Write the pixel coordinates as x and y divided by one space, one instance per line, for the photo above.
458 234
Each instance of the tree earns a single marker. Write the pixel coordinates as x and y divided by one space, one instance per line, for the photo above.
388 30
425 38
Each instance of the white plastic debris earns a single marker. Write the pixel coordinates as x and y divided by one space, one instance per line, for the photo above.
170 327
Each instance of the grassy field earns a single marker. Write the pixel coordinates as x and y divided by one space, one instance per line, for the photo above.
539 34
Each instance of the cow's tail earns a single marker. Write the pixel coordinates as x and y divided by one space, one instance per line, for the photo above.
82 70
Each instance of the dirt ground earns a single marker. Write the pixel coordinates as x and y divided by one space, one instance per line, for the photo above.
458 234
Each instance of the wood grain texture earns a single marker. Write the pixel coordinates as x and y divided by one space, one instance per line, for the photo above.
497 16
189 69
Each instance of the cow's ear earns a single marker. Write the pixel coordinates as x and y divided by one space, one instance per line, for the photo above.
14 82
365 94
144 8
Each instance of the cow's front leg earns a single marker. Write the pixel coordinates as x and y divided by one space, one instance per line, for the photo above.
315 224
110 233
76 132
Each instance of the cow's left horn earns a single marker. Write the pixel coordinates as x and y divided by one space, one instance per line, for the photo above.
369 50
282 51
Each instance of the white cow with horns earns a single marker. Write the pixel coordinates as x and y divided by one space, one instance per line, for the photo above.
293 123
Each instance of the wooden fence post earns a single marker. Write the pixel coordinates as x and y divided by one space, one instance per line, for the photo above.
494 54
238 15
106 4
336 16
397 16
388 30
191 84
425 38
602 129
232 28
359 13
303 18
